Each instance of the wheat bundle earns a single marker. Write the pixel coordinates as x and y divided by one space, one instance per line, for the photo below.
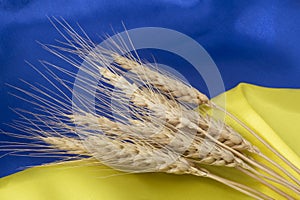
153 125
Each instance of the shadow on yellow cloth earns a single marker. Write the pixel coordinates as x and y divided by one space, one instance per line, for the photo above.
273 113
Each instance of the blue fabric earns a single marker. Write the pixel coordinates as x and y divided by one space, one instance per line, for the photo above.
250 41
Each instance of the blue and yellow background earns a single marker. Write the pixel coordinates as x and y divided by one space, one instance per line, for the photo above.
250 41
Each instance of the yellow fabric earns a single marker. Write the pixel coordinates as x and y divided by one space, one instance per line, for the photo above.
273 113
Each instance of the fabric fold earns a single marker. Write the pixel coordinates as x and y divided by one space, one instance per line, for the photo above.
272 113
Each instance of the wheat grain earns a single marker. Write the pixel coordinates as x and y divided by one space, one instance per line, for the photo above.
171 86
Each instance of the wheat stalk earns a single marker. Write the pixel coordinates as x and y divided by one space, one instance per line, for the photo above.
152 127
